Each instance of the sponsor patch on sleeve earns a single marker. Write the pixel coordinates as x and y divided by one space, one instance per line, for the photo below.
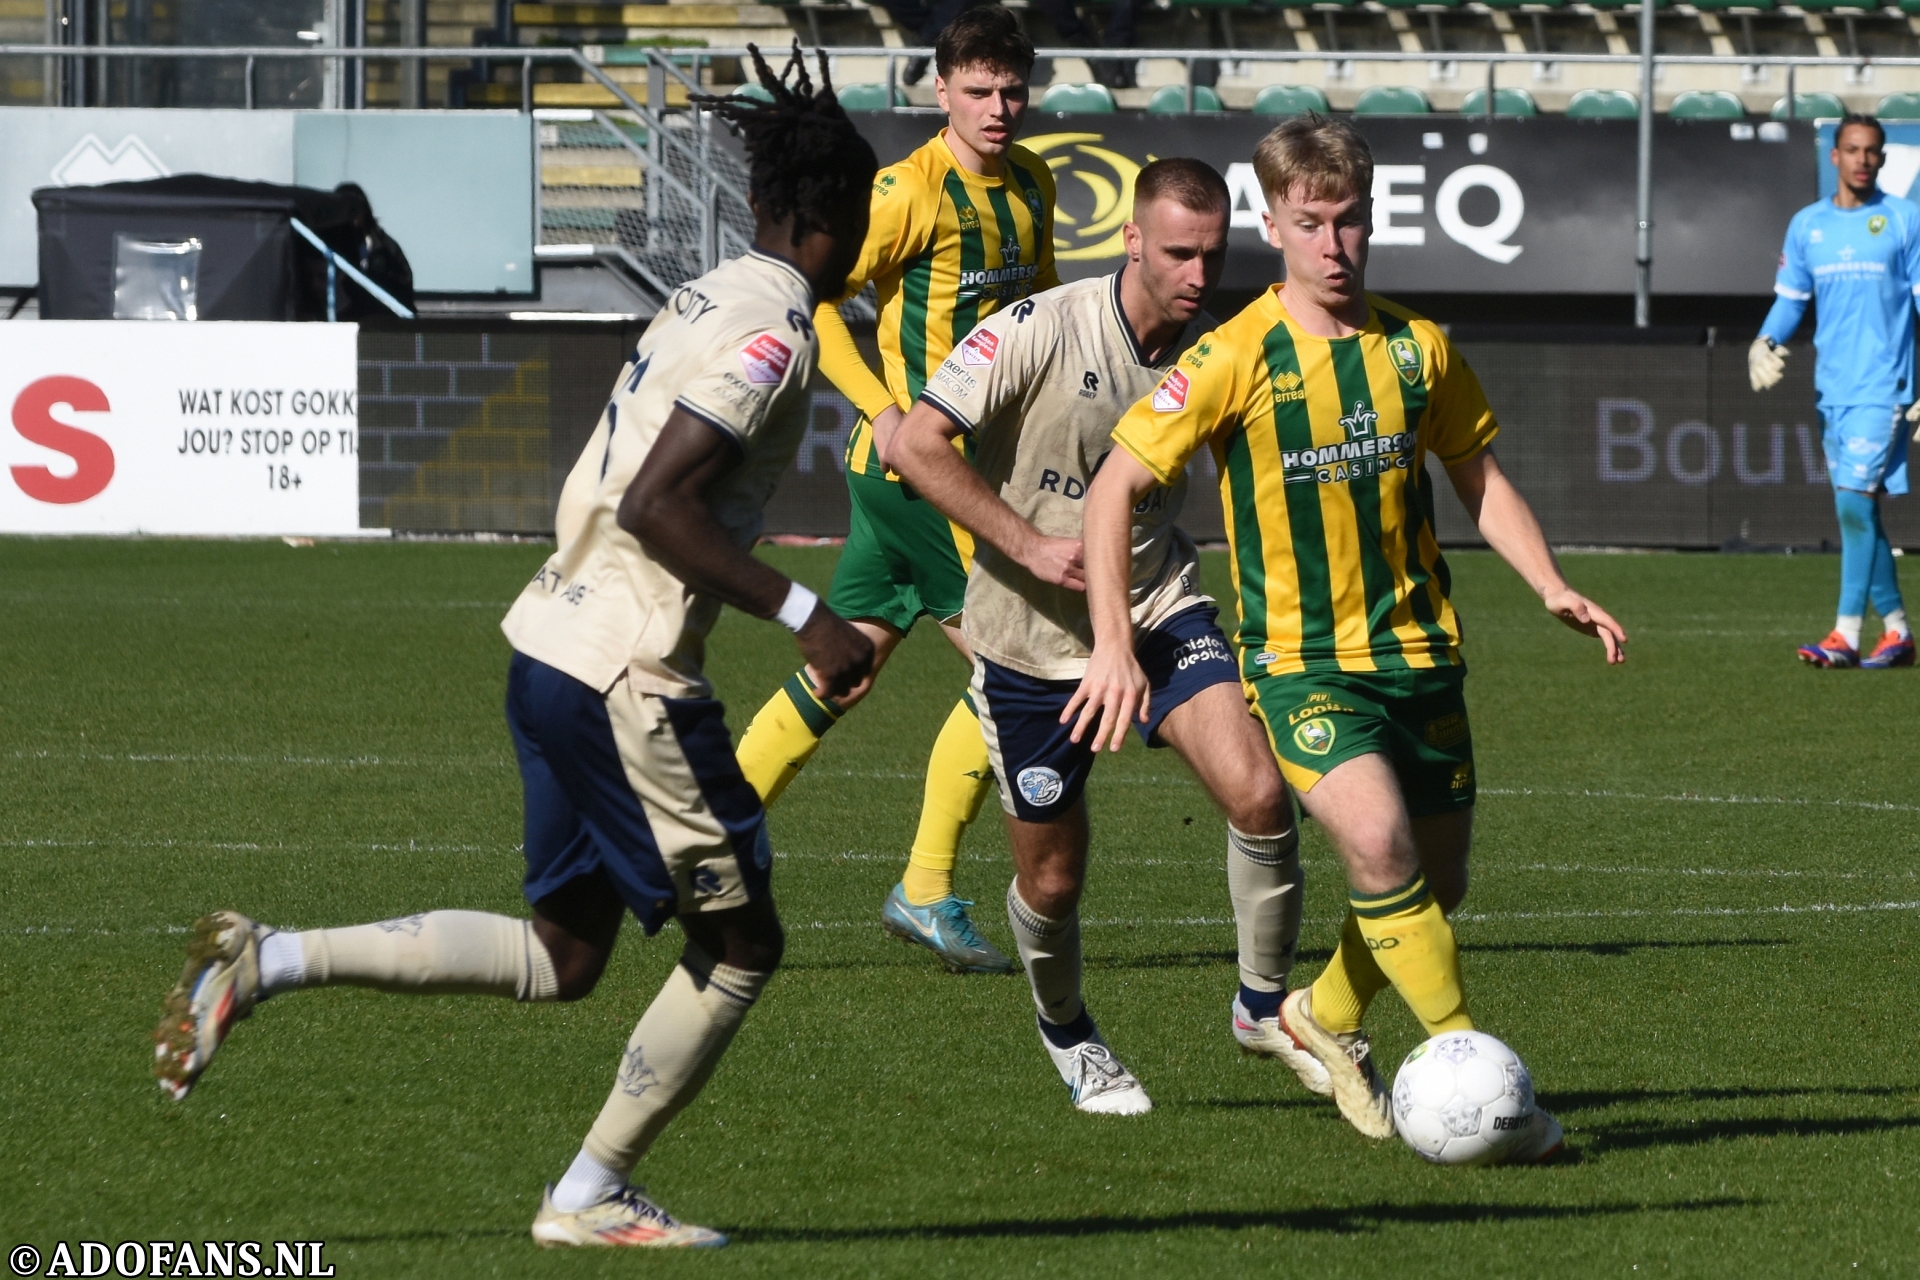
1171 395
766 359
979 349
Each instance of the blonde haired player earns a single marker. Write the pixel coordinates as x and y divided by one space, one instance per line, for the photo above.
961 229
1321 404
1035 391
633 799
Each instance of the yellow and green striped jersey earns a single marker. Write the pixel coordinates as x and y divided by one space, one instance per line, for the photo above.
946 249
1322 446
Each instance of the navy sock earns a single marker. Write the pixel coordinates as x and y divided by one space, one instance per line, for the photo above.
1068 1034
1261 1004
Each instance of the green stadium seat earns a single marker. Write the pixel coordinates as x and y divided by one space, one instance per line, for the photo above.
1829 6
1908 6
1603 104
1707 104
1506 102
1079 99
1392 100
1720 6
1289 100
1622 4
1171 100
1899 106
870 97
753 91
1811 106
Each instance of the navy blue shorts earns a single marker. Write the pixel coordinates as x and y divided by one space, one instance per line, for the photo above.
641 787
1042 771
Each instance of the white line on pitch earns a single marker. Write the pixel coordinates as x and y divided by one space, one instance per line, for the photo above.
1690 797
340 762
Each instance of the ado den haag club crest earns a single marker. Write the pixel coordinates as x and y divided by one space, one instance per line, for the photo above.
1407 358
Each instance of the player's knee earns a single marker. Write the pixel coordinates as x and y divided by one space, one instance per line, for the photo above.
759 950
577 970
1260 806
1055 892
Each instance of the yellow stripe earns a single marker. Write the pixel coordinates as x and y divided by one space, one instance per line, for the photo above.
1284 626
1396 492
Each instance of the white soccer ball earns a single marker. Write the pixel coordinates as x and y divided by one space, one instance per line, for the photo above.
1463 1097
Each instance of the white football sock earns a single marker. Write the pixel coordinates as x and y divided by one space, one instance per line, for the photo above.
1263 877
587 1183
1895 622
434 953
1050 949
1849 629
670 1055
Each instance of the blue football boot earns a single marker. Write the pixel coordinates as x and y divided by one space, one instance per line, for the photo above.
1892 651
943 928
1834 651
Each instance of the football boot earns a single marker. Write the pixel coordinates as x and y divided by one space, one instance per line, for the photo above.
1095 1080
1539 1143
218 988
943 928
1348 1059
1262 1037
1892 651
627 1220
1834 651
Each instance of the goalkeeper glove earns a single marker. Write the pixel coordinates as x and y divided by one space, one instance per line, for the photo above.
1766 363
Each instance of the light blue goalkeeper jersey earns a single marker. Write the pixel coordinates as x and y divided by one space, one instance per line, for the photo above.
1861 270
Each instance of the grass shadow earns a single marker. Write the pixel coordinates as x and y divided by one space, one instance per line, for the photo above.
1620 948
1637 1137
1589 1099
1348 1221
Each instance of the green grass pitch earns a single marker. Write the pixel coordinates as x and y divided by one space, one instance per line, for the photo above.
1694 912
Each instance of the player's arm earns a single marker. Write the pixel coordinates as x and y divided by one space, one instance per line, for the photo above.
924 455
1152 444
1792 290
1510 528
898 227
1114 684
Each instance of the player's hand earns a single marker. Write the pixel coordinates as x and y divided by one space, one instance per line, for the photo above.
839 658
1589 619
1059 561
1112 695
885 427
1766 363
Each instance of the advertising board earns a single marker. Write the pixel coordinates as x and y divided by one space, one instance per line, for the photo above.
206 428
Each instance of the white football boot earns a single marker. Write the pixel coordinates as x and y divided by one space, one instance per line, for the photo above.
1539 1143
1264 1038
1348 1059
627 1220
219 987
1096 1081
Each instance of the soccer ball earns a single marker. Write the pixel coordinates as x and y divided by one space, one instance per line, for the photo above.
1462 1098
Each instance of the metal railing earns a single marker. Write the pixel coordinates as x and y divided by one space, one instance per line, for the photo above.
703 184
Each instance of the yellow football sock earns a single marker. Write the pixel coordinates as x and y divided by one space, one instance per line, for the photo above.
1349 983
958 774
784 735
1410 939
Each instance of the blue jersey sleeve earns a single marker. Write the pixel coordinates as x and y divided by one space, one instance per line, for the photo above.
1792 284
1910 252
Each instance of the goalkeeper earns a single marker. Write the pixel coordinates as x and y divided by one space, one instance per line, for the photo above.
1857 257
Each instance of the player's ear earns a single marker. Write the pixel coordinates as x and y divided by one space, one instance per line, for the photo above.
1267 226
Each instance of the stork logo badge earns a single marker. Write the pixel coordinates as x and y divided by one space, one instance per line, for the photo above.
92 161
1171 395
766 359
979 349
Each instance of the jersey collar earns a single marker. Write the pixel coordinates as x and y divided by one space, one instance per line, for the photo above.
1120 321
785 264
966 174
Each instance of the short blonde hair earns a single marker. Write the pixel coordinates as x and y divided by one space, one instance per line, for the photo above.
1326 159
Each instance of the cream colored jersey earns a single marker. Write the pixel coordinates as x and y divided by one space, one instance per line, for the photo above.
1040 386
733 348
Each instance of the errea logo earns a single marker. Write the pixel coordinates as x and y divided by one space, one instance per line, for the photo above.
1289 386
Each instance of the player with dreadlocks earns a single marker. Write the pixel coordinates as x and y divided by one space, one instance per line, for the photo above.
633 798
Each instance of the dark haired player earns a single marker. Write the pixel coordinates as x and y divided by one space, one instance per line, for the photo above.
633 799
1035 391
1857 256
961 228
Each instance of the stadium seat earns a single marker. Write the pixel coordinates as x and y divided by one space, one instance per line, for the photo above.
1811 106
1603 104
1392 100
1506 102
1289 100
753 91
1171 100
870 97
1899 106
1079 99
1707 104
